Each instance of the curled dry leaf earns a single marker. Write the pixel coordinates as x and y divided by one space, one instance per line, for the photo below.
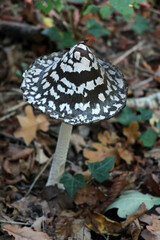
132 132
24 233
16 153
90 195
77 141
30 125
141 210
101 224
135 229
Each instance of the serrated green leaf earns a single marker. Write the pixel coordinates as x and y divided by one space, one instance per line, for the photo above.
126 116
100 170
91 9
145 114
105 11
130 201
95 28
148 138
158 124
140 24
72 183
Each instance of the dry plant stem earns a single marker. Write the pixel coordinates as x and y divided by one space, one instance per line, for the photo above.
60 156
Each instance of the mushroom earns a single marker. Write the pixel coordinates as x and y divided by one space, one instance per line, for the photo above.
77 88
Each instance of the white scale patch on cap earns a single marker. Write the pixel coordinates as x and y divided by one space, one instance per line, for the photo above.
75 86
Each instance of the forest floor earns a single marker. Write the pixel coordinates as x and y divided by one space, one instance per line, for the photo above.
31 211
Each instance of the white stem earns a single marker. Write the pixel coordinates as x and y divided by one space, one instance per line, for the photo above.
60 156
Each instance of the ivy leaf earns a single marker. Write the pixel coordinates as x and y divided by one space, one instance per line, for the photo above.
72 183
145 114
66 40
95 28
126 116
158 124
52 33
105 11
91 9
149 137
45 5
130 201
140 24
100 170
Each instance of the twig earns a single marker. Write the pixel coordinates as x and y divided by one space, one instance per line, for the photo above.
21 104
140 84
151 101
38 176
7 116
13 222
128 52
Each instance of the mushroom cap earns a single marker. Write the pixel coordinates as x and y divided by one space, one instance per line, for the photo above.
74 86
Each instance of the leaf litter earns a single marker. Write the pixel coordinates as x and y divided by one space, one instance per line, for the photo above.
27 139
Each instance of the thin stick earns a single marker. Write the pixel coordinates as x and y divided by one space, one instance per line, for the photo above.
38 176
13 222
128 52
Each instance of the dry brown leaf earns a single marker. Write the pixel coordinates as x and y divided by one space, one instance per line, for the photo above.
135 229
41 158
24 233
108 138
16 153
30 125
132 132
78 142
90 195
116 188
101 153
155 224
140 211
124 153
38 223
101 224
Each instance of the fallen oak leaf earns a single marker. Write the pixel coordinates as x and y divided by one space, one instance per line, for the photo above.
132 132
124 153
108 138
30 125
24 233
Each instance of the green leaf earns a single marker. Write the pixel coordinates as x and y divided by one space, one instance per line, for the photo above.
123 7
95 28
105 11
158 124
145 114
66 40
148 138
58 5
52 33
45 5
100 170
130 201
140 24
91 9
126 116
72 183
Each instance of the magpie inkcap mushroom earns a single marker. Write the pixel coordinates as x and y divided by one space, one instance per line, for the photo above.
75 87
